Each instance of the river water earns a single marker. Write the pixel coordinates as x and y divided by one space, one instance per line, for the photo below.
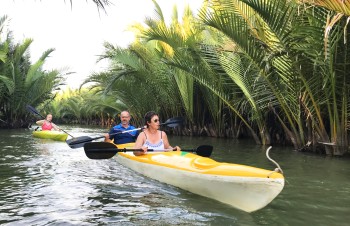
44 182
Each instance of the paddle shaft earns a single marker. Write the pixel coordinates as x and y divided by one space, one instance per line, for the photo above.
115 150
79 142
126 131
112 134
106 150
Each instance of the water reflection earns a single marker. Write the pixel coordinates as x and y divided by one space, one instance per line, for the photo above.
44 182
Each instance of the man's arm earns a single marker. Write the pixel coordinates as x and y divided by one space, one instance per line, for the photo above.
108 137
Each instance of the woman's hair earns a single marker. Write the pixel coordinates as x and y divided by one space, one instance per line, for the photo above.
148 116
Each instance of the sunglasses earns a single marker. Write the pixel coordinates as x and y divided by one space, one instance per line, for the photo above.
156 120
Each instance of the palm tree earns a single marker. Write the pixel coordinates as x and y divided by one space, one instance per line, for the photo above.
22 82
101 4
263 63
269 35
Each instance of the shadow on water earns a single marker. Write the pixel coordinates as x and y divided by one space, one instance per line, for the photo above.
44 182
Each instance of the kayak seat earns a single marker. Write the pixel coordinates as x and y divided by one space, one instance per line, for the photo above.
204 163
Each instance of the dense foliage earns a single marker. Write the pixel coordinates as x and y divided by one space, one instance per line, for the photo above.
21 81
276 71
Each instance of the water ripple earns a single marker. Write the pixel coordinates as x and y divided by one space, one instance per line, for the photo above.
44 182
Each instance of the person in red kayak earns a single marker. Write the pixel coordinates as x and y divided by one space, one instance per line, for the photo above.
47 124
152 137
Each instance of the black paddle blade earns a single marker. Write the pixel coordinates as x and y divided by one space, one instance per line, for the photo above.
173 122
204 150
33 110
78 142
100 150
3 121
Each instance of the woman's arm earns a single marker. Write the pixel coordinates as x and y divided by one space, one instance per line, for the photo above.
140 140
40 122
138 144
166 142
55 127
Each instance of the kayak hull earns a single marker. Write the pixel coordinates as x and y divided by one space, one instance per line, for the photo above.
243 187
53 135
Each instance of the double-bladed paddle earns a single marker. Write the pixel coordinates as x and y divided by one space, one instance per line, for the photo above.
3 121
106 150
34 111
79 142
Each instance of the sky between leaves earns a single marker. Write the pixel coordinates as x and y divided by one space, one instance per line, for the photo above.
78 32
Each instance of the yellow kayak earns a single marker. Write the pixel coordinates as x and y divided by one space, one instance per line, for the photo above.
243 187
53 135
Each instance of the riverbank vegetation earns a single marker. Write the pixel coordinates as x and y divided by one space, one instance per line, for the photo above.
276 71
22 81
